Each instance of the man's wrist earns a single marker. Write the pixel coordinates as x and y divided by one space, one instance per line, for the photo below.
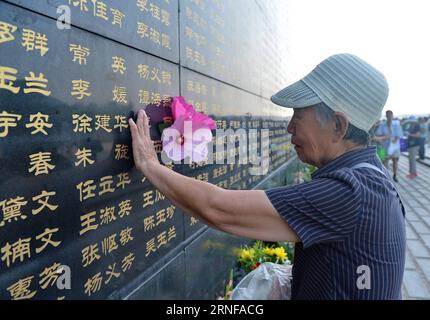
149 167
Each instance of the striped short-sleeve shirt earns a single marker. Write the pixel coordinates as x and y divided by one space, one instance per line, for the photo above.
352 231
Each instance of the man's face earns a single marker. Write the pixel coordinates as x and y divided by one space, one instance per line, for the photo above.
312 143
389 116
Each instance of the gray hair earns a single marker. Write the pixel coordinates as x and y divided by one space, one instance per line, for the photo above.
324 115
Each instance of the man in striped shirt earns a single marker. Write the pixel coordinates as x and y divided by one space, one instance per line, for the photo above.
347 222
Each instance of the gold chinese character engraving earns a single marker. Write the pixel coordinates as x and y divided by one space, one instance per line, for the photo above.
6 31
39 163
80 54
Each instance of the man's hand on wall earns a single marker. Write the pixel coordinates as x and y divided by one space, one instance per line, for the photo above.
143 147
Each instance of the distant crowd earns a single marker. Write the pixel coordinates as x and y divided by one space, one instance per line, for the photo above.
393 136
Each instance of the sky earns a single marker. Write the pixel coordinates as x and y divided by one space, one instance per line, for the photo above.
392 35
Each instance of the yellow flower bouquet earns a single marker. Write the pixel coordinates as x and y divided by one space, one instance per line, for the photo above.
251 257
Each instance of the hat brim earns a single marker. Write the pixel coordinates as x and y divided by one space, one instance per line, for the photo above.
296 95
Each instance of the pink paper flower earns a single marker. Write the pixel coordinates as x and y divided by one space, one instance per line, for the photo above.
187 137
180 107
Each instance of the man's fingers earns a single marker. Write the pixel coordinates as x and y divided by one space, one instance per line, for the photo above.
133 129
139 120
143 123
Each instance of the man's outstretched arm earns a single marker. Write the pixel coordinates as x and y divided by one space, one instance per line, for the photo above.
244 213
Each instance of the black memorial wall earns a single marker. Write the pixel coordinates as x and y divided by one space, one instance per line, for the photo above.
69 194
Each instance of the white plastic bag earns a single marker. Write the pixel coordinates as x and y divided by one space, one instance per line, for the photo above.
270 281
393 148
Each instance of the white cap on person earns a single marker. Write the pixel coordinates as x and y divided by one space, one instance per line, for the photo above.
345 83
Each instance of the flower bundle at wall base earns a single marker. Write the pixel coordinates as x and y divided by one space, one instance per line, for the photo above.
250 258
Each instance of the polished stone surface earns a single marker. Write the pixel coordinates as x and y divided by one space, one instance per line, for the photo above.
70 194
209 259
240 49
151 26
168 284
78 119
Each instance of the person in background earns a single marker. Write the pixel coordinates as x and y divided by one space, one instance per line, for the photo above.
428 128
391 131
424 131
373 139
377 141
413 147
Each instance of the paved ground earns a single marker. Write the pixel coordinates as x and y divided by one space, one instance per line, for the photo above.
416 197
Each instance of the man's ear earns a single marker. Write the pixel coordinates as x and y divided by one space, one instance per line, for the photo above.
340 126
